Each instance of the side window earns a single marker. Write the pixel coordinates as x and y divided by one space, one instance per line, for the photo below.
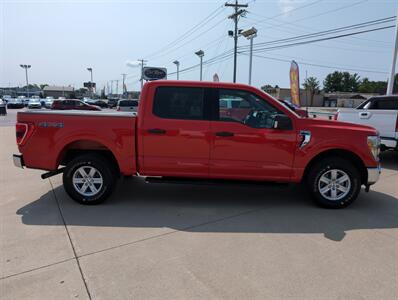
179 103
245 108
387 104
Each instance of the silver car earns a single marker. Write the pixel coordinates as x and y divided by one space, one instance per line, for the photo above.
34 103
127 105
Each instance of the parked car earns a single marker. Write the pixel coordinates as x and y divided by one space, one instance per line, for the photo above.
182 134
48 102
24 100
61 98
297 109
72 104
379 112
112 102
7 98
34 103
15 103
127 105
3 109
100 103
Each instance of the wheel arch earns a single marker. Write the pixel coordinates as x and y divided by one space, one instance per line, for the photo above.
341 153
85 146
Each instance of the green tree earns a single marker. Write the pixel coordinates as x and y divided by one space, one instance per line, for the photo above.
311 84
341 82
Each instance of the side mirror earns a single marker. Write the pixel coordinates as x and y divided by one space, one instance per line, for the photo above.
282 122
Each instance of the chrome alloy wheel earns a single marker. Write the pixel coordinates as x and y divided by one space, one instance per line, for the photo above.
334 184
87 181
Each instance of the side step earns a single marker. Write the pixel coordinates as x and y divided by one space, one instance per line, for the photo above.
52 173
201 181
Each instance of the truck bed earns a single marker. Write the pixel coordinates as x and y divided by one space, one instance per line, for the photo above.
57 132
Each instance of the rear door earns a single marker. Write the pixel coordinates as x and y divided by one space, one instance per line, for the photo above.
174 132
244 144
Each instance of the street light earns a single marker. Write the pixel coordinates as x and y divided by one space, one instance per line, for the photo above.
200 53
91 81
26 67
177 63
250 34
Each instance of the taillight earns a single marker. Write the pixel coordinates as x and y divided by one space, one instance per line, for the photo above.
23 131
396 125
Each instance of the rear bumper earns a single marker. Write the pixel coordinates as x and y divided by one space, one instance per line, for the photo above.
373 175
18 161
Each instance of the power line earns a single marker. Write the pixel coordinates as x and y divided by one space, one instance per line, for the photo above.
210 17
320 65
330 31
323 39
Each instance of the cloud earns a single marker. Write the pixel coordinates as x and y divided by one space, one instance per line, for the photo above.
287 5
132 63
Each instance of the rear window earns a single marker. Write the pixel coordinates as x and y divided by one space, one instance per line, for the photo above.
179 103
128 103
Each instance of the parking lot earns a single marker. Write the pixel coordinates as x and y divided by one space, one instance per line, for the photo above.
162 241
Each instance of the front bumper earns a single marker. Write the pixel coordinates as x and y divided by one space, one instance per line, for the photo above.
373 175
18 161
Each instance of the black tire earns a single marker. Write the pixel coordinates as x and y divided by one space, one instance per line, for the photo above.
322 168
105 171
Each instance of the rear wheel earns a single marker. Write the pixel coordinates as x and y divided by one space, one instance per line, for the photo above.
89 179
334 182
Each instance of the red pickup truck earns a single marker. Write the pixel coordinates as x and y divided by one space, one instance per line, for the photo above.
185 131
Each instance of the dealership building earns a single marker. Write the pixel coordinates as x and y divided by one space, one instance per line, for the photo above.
58 91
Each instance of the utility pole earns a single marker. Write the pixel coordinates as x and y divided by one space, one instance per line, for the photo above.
390 86
142 61
124 85
117 88
112 87
235 16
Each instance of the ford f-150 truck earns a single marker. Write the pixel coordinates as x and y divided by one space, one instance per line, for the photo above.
184 132
380 112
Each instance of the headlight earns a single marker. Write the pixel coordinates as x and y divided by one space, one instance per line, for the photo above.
374 146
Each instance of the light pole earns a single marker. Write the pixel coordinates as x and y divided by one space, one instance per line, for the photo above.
250 34
26 67
200 53
390 85
177 63
91 81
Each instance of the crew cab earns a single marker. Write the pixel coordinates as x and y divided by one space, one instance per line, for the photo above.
185 132
380 112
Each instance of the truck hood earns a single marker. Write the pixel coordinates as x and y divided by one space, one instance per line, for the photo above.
336 125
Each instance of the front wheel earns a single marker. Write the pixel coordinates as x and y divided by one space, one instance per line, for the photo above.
334 182
89 179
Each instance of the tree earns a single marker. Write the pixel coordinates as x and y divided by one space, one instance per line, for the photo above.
341 82
311 84
269 88
374 87
42 86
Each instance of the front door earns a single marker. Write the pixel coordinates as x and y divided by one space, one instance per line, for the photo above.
175 133
244 143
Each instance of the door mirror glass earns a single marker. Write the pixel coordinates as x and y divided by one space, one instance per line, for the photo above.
282 122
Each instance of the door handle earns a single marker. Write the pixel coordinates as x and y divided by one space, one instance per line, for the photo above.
224 133
156 131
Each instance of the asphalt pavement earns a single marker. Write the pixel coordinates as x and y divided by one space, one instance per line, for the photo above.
161 241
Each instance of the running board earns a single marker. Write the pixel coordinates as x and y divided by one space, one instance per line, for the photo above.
52 173
200 181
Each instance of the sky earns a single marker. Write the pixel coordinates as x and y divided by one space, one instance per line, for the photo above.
60 39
